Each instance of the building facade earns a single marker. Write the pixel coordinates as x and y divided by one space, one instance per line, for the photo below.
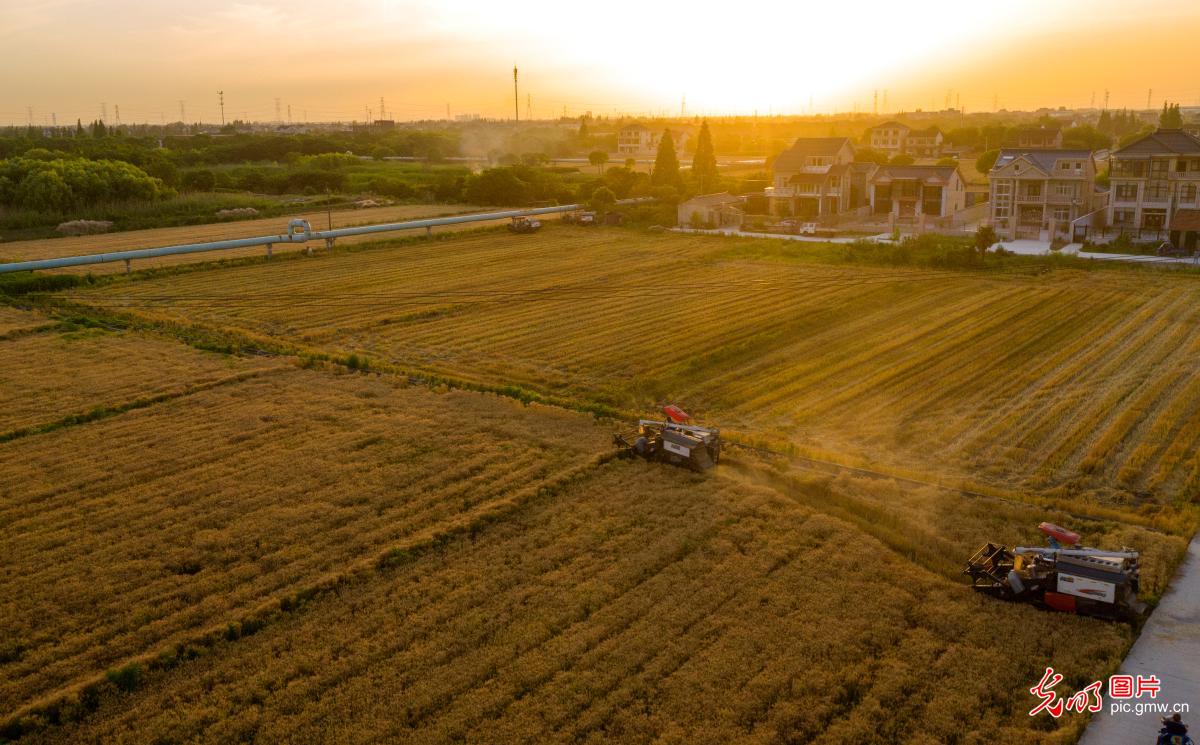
913 192
888 137
638 139
923 143
1037 194
812 178
1153 180
711 211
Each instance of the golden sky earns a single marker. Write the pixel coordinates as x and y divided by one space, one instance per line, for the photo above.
334 59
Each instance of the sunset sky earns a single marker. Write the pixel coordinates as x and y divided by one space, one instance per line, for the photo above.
331 60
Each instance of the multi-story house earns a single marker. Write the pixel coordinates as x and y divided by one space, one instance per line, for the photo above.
924 143
1039 193
894 138
910 192
638 139
812 178
1155 184
888 137
1050 138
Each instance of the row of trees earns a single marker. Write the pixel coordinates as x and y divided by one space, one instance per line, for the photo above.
41 182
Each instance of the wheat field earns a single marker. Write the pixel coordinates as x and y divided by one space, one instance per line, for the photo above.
1071 383
328 535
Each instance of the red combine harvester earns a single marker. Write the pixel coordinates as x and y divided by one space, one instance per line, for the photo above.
674 441
1062 576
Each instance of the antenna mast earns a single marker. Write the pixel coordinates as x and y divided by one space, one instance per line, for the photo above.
516 98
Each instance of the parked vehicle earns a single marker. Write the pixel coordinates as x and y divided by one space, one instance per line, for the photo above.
1166 248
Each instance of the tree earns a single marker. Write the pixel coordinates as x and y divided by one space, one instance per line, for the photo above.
1171 117
98 129
901 160
1105 123
984 162
985 238
602 200
598 158
631 163
666 165
199 180
704 162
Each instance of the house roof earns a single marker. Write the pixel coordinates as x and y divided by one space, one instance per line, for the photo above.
935 173
714 200
806 147
926 132
1186 220
1162 142
636 126
891 125
1042 158
1053 129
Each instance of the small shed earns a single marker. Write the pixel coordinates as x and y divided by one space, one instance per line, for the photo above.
711 211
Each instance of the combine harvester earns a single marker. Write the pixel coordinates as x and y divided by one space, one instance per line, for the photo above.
674 441
1063 576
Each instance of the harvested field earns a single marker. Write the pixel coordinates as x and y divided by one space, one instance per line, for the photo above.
129 535
1069 383
56 374
14 322
265 552
640 605
217 231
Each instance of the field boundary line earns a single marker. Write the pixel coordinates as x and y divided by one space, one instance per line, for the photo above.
105 412
76 701
32 330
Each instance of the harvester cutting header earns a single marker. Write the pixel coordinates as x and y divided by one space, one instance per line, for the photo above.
674 440
1062 576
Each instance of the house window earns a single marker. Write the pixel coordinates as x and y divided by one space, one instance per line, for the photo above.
1064 190
1132 168
1123 217
1126 192
1033 191
1156 191
1158 168
1187 193
1003 188
1001 212
1062 214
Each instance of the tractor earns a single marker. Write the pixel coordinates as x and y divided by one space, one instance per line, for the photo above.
525 225
673 440
1062 576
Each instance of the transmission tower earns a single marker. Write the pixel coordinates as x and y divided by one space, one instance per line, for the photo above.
516 99
221 100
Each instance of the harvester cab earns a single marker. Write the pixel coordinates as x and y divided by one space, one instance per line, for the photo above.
1062 576
674 441
525 225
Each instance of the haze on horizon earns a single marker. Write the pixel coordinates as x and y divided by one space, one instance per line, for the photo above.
333 60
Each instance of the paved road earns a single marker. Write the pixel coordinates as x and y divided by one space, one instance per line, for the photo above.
783 236
1169 648
1040 248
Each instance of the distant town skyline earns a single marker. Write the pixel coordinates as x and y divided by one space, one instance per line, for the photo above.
313 60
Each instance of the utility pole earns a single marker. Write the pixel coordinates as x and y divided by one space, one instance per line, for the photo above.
1149 95
875 105
117 110
516 98
182 113
103 113
448 117
1106 99
382 109
278 116
289 113
528 107
221 99
1093 99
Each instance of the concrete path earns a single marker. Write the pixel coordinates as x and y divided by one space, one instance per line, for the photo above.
1168 648
783 236
1041 248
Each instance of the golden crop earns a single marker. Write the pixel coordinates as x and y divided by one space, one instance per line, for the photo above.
641 604
1073 383
256 550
